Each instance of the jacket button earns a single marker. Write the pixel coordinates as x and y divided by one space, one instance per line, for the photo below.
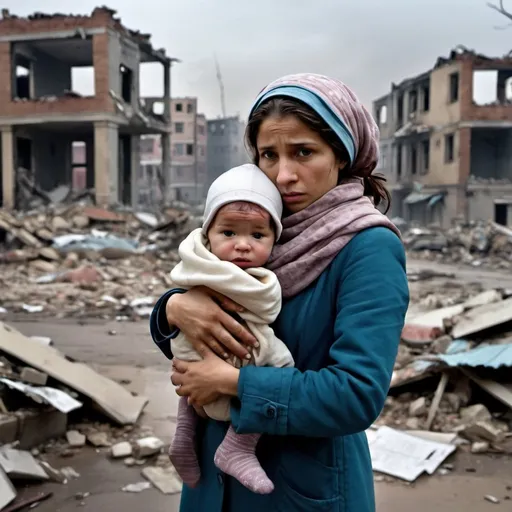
271 411
220 479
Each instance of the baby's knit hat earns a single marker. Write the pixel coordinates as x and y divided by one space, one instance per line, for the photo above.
244 183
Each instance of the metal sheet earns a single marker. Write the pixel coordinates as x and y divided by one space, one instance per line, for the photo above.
435 199
489 356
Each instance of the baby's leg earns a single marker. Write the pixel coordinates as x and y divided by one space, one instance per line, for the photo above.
236 456
183 450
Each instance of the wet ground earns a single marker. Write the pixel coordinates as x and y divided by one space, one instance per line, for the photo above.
124 351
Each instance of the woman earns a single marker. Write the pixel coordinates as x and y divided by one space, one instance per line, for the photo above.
341 266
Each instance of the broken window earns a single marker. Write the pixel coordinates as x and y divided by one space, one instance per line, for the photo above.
190 108
399 161
83 80
400 113
449 147
383 115
158 108
179 107
485 87
179 127
413 101
454 87
146 145
190 149
425 98
414 160
178 149
23 78
425 150
126 83
508 89
79 165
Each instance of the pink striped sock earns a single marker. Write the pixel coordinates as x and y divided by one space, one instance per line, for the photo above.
236 456
182 451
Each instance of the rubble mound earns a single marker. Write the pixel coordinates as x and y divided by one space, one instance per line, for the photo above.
487 245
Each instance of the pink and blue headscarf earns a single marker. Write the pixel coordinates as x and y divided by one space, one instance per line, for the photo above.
339 107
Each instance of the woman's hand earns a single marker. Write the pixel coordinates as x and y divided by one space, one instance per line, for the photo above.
205 381
200 317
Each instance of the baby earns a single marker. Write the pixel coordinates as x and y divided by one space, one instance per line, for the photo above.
242 221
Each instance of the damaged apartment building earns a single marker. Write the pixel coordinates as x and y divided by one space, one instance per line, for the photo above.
42 118
446 141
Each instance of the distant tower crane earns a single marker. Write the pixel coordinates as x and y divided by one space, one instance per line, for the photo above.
221 86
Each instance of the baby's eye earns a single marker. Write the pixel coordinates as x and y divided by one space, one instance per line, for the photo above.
228 233
258 236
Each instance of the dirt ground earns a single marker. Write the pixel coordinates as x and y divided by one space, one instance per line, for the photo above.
125 351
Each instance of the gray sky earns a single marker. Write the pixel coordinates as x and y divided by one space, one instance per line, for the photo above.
366 43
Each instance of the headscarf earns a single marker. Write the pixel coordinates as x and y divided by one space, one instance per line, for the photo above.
313 237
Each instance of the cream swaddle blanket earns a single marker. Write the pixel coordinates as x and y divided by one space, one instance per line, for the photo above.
256 289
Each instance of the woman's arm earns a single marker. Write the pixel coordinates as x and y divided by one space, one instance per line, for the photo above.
347 396
199 314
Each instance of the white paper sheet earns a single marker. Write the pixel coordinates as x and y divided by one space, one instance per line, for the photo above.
404 456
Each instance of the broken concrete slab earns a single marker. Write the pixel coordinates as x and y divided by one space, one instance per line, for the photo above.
487 297
166 480
121 450
109 397
500 391
481 318
33 376
437 317
37 427
418 407
484 430
7 490
75 439
475 413
419 335
8 428
21 465
99 439
148 446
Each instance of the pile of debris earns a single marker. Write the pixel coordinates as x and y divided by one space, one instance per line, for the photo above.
80 260
487 245
451 386
41 392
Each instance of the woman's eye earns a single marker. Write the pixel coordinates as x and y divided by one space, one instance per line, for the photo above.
268 155
304 152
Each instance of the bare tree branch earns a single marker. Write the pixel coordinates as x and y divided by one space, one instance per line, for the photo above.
501 9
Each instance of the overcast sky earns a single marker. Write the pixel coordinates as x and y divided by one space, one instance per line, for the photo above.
366 43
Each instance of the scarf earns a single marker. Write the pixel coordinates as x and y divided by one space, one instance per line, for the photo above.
313 237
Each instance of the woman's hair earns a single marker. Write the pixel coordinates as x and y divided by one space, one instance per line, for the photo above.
280 107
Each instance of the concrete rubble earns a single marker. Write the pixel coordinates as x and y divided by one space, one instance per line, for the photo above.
82 261
486 245
33 432
451 378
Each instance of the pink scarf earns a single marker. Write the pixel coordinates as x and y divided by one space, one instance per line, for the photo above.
313 237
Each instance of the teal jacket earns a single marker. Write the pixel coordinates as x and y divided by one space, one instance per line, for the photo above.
343 332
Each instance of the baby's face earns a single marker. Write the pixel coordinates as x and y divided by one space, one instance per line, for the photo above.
243 236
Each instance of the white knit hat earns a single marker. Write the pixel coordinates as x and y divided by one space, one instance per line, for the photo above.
244 183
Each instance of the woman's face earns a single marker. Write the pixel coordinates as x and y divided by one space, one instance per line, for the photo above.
297 160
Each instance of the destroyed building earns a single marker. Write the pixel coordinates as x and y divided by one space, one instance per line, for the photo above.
41 116
188 156
446 143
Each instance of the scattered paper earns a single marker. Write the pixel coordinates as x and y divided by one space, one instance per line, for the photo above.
55 397
32 309
405 456
138 487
